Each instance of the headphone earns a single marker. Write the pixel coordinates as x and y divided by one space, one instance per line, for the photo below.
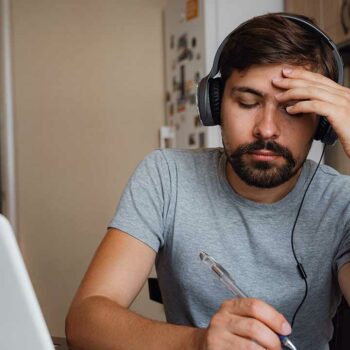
210 89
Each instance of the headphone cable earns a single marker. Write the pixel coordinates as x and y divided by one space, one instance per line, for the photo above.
299 265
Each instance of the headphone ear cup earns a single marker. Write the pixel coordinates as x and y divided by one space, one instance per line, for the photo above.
216 87
325 132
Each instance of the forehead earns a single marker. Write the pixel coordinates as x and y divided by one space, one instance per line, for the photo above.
255 72
258 77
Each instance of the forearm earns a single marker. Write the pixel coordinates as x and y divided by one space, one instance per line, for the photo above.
100 323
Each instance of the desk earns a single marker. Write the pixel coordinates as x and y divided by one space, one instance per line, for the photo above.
60 343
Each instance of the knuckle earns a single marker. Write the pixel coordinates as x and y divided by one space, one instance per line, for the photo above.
252 327
243 302
285 94
226 304
254 306
218 320
215 321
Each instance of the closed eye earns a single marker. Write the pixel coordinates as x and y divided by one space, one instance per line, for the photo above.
247 105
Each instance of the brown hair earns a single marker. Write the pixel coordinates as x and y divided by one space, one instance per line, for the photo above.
270 39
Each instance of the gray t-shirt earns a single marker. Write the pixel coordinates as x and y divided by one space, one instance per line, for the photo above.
179 202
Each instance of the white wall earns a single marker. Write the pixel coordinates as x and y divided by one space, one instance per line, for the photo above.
88 92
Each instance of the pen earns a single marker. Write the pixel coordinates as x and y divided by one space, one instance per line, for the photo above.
230 284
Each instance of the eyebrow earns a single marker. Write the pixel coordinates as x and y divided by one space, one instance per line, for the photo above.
248 90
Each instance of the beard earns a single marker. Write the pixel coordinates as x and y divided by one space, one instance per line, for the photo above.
262 174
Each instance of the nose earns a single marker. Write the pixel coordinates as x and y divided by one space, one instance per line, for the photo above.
267 124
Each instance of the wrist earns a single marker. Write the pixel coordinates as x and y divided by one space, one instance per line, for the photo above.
197 341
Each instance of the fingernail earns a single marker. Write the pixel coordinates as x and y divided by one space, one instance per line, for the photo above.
276 79
286 328
287 70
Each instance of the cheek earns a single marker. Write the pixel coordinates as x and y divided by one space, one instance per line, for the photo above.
236 122
235 132
298 136
303 129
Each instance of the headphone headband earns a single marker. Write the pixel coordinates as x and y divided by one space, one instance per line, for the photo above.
203 92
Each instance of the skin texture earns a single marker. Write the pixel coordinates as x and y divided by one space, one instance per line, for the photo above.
99 317
251 112
320 95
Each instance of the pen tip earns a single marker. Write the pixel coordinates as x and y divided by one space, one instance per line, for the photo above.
289 344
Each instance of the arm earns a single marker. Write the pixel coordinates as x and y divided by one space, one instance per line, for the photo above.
99 317
317 94
344 281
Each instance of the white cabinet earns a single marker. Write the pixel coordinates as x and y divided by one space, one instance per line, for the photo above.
194 30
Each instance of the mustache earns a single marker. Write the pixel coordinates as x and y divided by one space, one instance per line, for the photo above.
267 145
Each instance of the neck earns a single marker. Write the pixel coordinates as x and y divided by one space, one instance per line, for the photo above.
260 195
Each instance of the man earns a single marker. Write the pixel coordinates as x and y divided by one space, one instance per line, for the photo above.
239 205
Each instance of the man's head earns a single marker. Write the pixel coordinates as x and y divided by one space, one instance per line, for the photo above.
265 145
271 39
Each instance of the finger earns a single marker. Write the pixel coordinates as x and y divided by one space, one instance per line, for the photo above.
251 328
221 334
299 72
259 310
287 83
309 93
319 107
329 111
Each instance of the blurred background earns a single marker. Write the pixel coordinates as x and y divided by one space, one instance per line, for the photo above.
89 87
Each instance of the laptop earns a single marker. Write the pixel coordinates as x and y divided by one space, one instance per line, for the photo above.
22 325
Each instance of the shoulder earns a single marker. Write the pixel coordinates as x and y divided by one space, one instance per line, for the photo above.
329 180
184 158
328 173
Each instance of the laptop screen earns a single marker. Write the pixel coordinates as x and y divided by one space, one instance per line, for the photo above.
22 324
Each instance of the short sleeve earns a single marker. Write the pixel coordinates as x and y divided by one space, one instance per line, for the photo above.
142 209
343 254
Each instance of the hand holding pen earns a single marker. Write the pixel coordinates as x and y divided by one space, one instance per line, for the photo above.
238 322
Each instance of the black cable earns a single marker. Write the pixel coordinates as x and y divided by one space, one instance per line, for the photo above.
299 265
